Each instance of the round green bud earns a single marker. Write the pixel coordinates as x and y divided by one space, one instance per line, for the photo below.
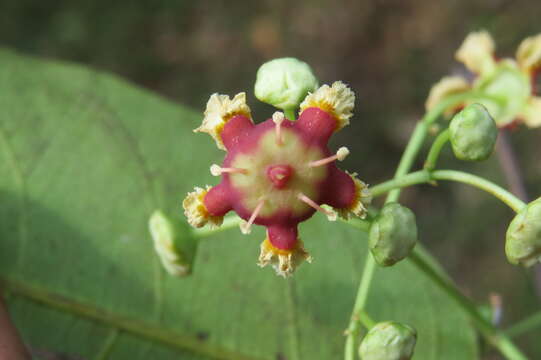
523 238
393 234
473 133
388 340
284 82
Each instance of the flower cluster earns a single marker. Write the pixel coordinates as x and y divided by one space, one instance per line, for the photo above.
503 86
279 172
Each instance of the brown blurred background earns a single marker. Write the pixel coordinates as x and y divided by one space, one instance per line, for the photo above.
390 52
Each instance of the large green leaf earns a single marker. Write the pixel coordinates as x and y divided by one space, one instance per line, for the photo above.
84 160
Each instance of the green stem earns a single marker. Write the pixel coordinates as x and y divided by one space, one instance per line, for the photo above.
290 114
511 200
358 309
498 339
495 337
419 135
366 320
406 162
414 178
424 176
530 323
229 222
435 150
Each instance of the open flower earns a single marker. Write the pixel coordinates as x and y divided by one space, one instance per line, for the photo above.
278 173
503 86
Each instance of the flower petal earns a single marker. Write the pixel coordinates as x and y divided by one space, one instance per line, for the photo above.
196 211
220 109
476 52
284 262
529 53
447 86
337 100
361 200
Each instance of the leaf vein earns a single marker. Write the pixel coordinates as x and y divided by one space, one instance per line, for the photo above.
142 329
19 179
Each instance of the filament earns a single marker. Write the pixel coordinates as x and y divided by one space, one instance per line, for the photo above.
331 215
340 155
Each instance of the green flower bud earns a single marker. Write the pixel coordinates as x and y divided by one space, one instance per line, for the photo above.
173 243
284 82
388 340
393 234
473 133
523 239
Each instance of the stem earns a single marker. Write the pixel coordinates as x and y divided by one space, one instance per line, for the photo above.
366 320
530 323
229 222
495 337
290 114
360 301
419 135
406 162
511 200
414 178
498 339
435 150
424 176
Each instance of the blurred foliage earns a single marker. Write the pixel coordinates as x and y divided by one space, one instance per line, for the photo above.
390 52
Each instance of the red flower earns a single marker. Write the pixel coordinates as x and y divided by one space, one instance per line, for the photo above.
279 172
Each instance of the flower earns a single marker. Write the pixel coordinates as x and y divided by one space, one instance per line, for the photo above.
504 86
278 173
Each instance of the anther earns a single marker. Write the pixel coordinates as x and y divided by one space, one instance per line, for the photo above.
331 215
245 227
278 117
217 170
340 155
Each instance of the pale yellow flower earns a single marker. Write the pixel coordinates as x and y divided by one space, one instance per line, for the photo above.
504 87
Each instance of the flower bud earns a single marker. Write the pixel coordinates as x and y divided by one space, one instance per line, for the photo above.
393 234
473 133
523 239
388 340
284 82
173 243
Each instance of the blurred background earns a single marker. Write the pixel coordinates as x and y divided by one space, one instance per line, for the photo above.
390 52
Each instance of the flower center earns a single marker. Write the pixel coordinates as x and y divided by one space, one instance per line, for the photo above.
279 175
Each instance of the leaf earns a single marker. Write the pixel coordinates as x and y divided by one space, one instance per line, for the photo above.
85 159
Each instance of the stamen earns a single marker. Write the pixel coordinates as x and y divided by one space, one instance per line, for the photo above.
340 155
278 117
217 170
245 227
331 215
